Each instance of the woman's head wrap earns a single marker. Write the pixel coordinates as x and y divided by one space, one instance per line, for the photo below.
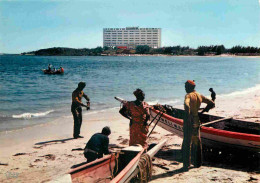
138 92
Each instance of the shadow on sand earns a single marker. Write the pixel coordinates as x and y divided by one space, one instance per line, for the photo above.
240 161
54 141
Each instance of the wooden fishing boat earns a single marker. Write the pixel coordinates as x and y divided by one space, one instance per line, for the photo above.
59 71
216 132
114 168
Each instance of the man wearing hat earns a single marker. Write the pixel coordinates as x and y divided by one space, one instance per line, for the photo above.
76 108
191 126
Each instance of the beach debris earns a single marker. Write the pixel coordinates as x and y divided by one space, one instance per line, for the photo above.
214 178
124 142
77 149
153 138
37 147
252 179
161 166
4 164
170 135
15 169
251 117
178 145
120 138
70 156
19 154
49 156
37 160
175 163
31 165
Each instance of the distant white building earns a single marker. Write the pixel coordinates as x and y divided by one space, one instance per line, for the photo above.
130 37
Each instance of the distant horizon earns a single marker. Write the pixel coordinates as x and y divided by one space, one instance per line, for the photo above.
28 26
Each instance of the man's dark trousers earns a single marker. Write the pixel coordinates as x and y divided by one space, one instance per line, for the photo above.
191 142
77 115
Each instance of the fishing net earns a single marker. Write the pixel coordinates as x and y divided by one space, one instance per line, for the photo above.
145 169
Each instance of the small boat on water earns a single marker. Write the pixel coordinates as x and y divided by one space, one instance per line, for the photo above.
45 71
51 71
113 168
216 132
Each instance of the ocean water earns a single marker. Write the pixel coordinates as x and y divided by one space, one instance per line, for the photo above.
29 97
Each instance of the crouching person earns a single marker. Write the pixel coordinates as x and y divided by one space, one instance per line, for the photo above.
97 145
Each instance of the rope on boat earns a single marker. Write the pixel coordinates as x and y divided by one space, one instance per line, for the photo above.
145 169
113 171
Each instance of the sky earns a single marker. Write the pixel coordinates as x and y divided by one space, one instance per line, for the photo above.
29 25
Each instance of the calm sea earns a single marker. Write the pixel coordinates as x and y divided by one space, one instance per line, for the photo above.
29 97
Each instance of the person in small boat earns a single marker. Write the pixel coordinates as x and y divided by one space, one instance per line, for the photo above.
76 109
191 126
97 145
213 94
138 113
61 69
49 67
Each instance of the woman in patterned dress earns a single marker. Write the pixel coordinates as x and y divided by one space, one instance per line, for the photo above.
138 113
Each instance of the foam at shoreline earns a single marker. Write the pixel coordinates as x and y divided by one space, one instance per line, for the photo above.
32 115
241 92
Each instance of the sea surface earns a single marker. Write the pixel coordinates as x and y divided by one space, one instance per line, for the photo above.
29 97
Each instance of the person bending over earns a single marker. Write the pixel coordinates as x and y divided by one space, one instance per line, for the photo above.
97 145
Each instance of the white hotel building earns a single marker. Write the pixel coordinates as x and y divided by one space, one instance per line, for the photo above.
131 37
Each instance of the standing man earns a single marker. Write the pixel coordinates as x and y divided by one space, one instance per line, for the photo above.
76 108
213 94
191 126
138 113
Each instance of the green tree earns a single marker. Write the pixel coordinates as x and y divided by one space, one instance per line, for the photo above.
142 49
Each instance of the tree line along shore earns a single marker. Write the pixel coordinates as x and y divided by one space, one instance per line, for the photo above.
144 49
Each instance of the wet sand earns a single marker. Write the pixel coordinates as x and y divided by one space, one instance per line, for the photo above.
46 152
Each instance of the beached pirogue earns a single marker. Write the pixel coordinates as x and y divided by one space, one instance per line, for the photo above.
225 134
116 168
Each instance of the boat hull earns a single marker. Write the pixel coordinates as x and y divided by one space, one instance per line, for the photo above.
212 137
101 170
45 71
98 170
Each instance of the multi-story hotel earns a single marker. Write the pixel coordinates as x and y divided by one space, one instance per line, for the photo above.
131 37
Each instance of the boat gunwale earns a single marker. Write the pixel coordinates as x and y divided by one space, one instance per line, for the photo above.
217 132
119 177
98 163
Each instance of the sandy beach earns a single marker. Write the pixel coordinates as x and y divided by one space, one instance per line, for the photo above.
46 152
